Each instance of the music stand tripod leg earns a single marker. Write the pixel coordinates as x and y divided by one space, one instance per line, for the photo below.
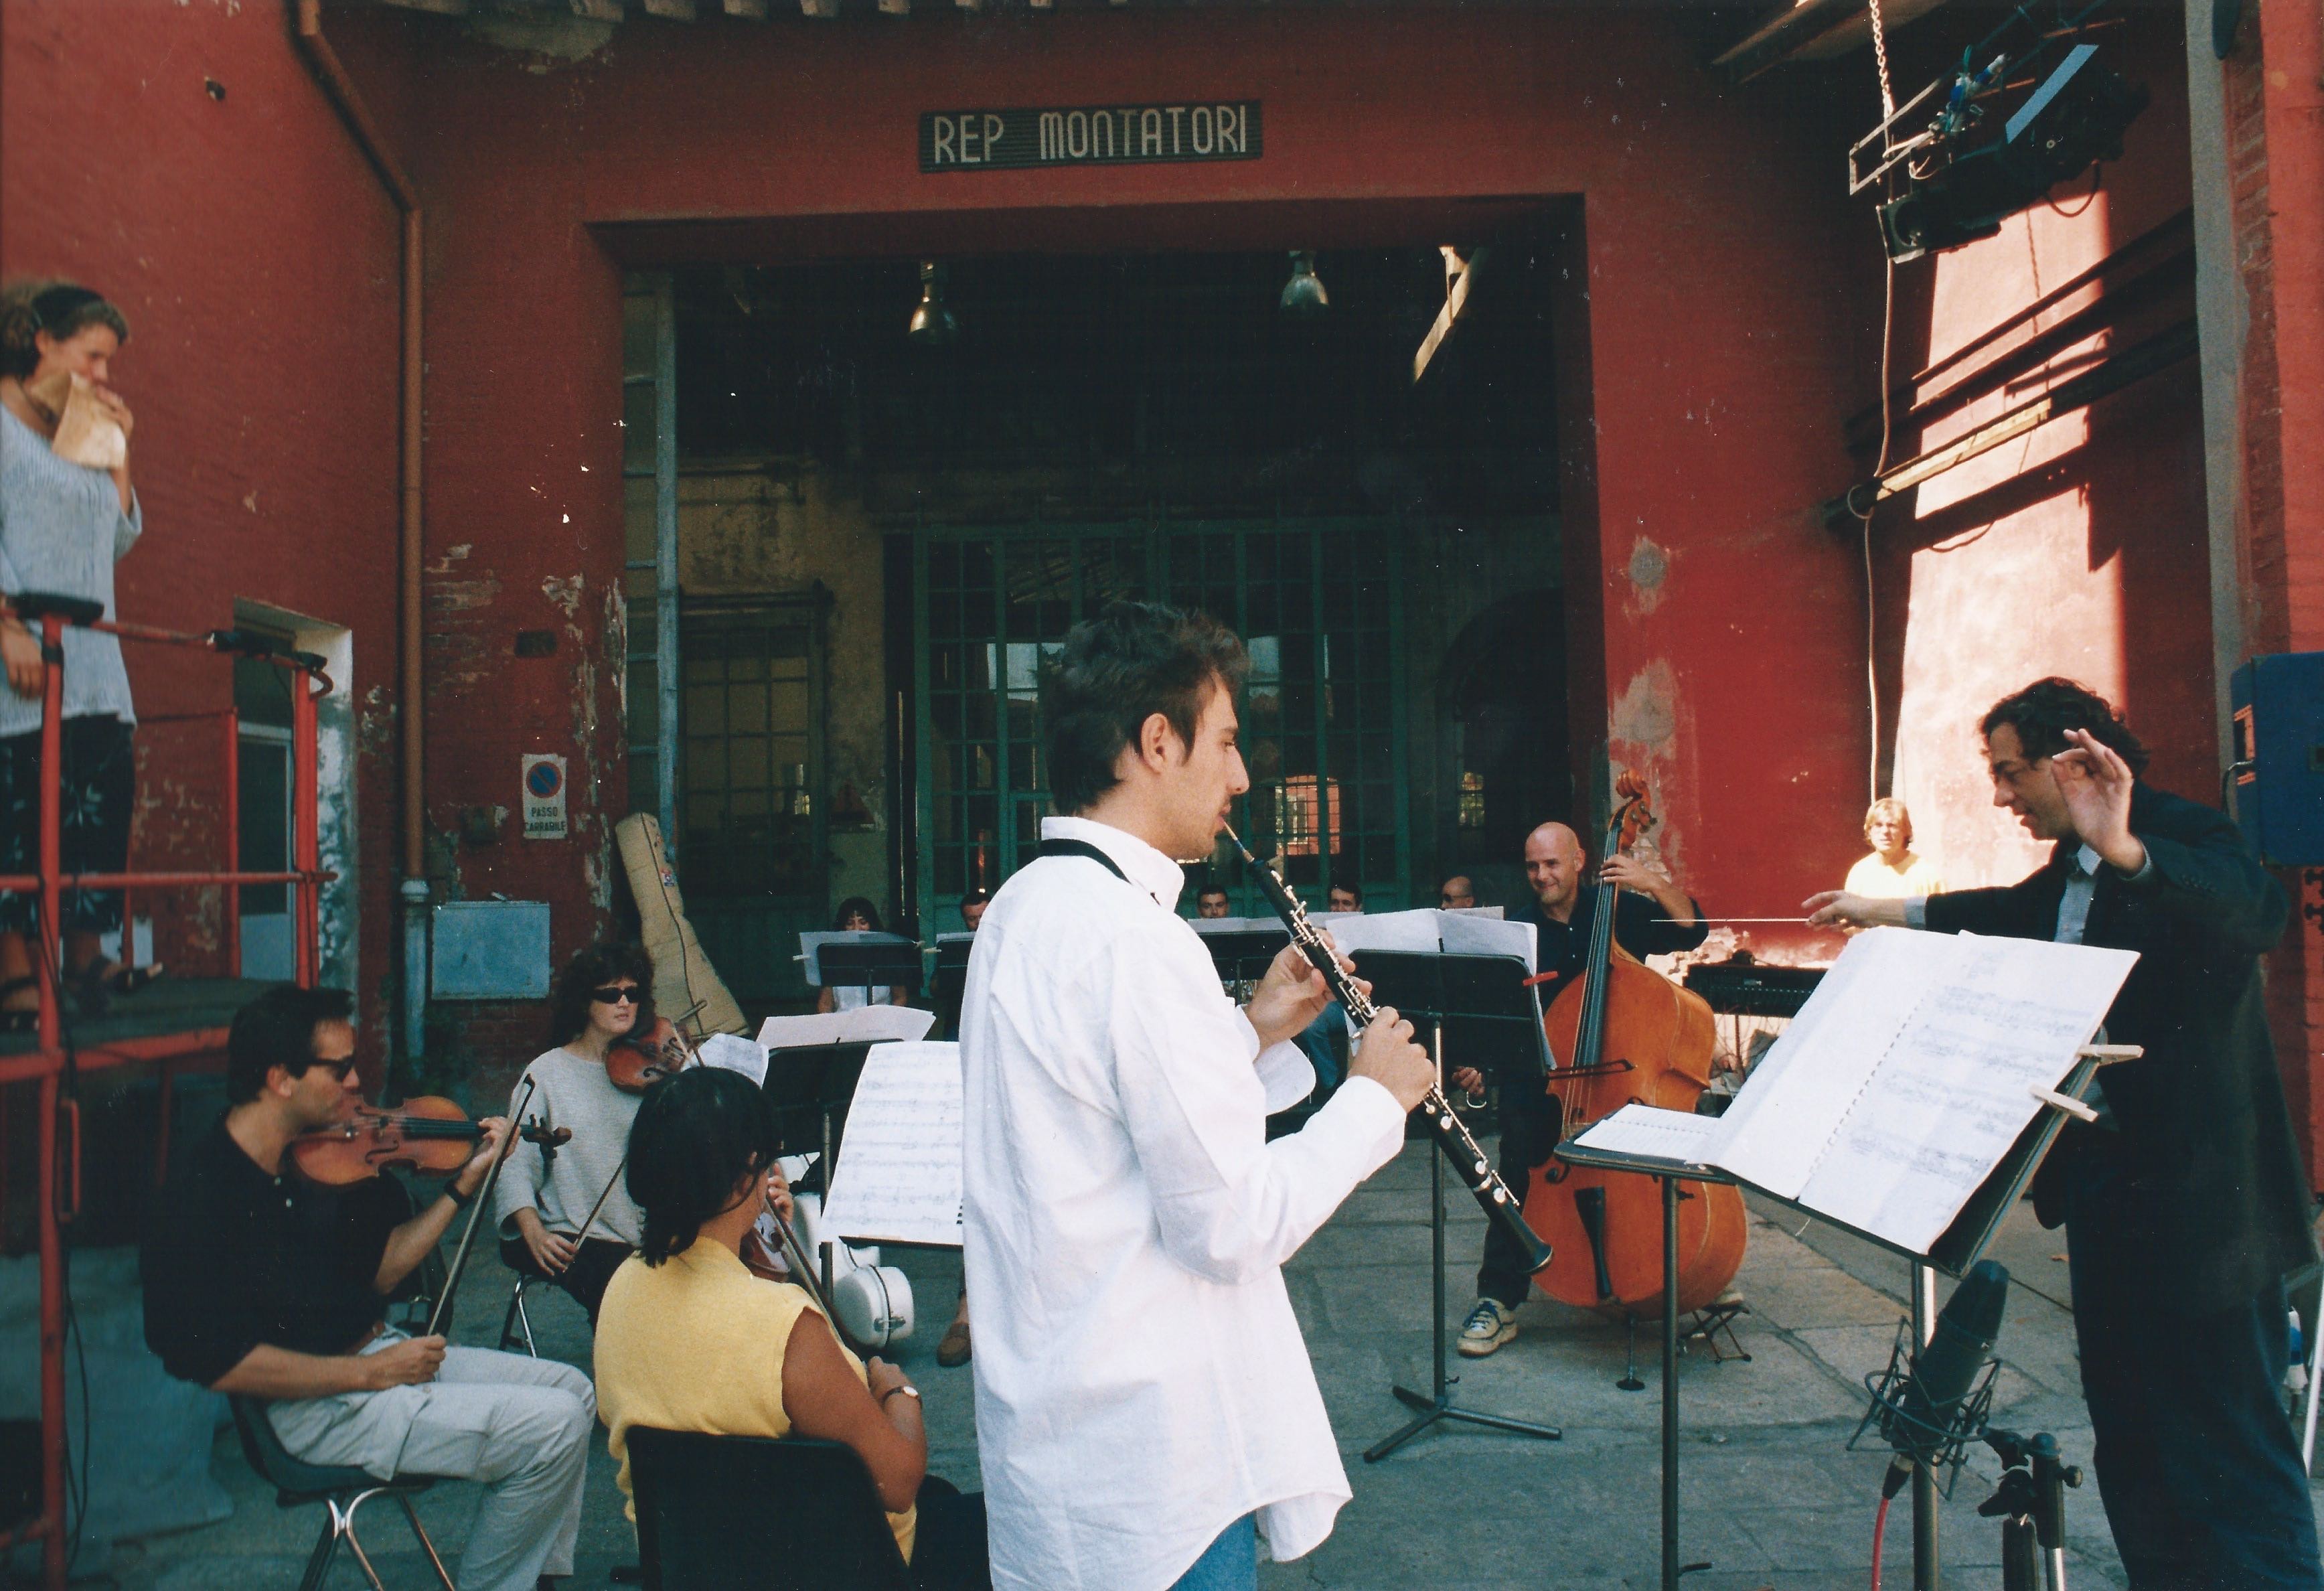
1438 1405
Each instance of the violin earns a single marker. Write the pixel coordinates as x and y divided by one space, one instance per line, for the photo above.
425 1134
636 1061
1630 1035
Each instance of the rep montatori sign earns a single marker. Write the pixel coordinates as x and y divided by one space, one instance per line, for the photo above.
1088 135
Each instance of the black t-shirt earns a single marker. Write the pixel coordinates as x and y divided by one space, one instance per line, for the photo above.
1563 947
236 1256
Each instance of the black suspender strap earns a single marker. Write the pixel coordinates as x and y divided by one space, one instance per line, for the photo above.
1081 847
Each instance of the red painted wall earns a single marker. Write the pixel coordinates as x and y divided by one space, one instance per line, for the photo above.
2081 548
254 255
1726 333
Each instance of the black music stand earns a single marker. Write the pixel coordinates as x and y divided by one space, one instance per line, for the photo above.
809 1087
879 965
1482 999
1961 1245
1242 953
951 979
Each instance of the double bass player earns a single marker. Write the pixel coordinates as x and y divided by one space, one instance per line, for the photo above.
1654 916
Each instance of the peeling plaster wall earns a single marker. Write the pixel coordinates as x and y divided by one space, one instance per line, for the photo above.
780 530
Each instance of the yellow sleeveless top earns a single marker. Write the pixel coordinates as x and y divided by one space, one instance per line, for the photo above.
697 1343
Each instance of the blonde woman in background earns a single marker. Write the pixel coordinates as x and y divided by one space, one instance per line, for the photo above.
1893 871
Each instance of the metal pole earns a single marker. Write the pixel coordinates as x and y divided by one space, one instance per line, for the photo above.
1436 1223
1670 1383
233 842
1926 1573
666 665
54 1522
306 828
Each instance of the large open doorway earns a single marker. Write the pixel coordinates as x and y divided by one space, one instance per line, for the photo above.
1150 425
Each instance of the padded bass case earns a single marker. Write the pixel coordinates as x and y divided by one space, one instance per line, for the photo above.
684 978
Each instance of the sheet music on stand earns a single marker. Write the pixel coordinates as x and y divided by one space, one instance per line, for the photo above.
899 1177
1902 1104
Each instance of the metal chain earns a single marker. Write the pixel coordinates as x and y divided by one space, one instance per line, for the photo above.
1880 59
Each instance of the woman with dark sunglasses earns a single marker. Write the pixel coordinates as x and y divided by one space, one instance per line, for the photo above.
604 993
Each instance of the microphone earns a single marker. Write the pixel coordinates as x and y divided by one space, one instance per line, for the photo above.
1918 1423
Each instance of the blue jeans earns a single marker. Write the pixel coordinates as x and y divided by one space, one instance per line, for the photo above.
2196 1461
1231 1563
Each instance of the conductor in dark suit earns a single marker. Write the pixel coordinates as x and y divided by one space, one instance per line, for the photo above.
2186 1203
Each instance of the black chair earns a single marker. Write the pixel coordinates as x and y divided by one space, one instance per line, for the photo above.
340 1489
748 1513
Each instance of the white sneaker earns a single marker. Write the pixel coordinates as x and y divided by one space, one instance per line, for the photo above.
1489 1325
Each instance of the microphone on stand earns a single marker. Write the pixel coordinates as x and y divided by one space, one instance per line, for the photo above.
1920 1420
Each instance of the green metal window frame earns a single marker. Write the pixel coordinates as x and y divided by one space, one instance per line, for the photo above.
1328 754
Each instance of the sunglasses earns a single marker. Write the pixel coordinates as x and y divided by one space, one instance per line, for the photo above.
624 995
337 1068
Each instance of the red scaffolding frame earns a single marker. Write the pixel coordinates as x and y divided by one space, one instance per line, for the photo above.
50 1062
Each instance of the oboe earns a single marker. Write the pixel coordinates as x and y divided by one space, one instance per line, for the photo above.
1469 1159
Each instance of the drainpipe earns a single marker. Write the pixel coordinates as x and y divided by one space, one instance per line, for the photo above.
308 24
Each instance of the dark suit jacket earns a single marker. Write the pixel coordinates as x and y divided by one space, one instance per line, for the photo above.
2206 1179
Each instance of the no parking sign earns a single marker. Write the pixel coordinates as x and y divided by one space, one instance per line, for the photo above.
544 796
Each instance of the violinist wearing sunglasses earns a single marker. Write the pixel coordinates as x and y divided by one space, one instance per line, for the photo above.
547 1192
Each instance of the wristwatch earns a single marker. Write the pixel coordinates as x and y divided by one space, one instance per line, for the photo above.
912 1392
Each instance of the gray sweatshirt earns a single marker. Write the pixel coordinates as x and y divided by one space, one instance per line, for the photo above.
576 1094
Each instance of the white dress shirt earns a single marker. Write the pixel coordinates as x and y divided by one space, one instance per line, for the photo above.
1142 1384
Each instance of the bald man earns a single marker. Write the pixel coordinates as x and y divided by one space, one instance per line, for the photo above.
1457 893
1654 917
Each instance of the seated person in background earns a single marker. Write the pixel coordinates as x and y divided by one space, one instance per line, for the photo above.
972 905
1458 894
605 994
857 915
1893 871
691 1340
1325 1040
261 1282
1210 900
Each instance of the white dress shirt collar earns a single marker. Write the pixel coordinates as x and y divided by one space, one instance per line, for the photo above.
1141 862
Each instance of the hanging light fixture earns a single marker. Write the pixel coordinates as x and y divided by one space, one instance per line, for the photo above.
933 326
1304 294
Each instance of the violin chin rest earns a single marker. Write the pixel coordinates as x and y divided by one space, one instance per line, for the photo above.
874 1305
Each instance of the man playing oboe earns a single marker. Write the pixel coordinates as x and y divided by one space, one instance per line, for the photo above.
1145 1407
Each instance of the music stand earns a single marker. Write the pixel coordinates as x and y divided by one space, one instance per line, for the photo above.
1452 998
951 978
809 1087
880 964
1242 954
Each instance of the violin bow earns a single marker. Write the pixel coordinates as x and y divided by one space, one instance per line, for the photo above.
686 1052
483 1198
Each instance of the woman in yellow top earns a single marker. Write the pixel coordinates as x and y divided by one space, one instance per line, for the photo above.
1893 872
687 1340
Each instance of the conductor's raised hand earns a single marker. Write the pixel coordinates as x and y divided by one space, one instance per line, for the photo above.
2095 783
1838 909
1292 994
1387 1056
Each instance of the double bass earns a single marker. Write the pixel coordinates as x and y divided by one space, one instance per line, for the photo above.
1629 1034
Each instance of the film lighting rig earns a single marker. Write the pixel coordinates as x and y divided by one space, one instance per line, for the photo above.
2029 106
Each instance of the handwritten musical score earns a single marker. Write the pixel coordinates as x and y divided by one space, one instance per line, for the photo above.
1904 1082
899 1175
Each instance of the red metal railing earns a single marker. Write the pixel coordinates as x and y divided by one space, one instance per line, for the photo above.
48 1062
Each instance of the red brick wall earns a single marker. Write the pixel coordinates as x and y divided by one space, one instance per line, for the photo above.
2274 105
180 158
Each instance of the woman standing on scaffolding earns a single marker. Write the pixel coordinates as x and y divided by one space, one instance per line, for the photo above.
64 525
